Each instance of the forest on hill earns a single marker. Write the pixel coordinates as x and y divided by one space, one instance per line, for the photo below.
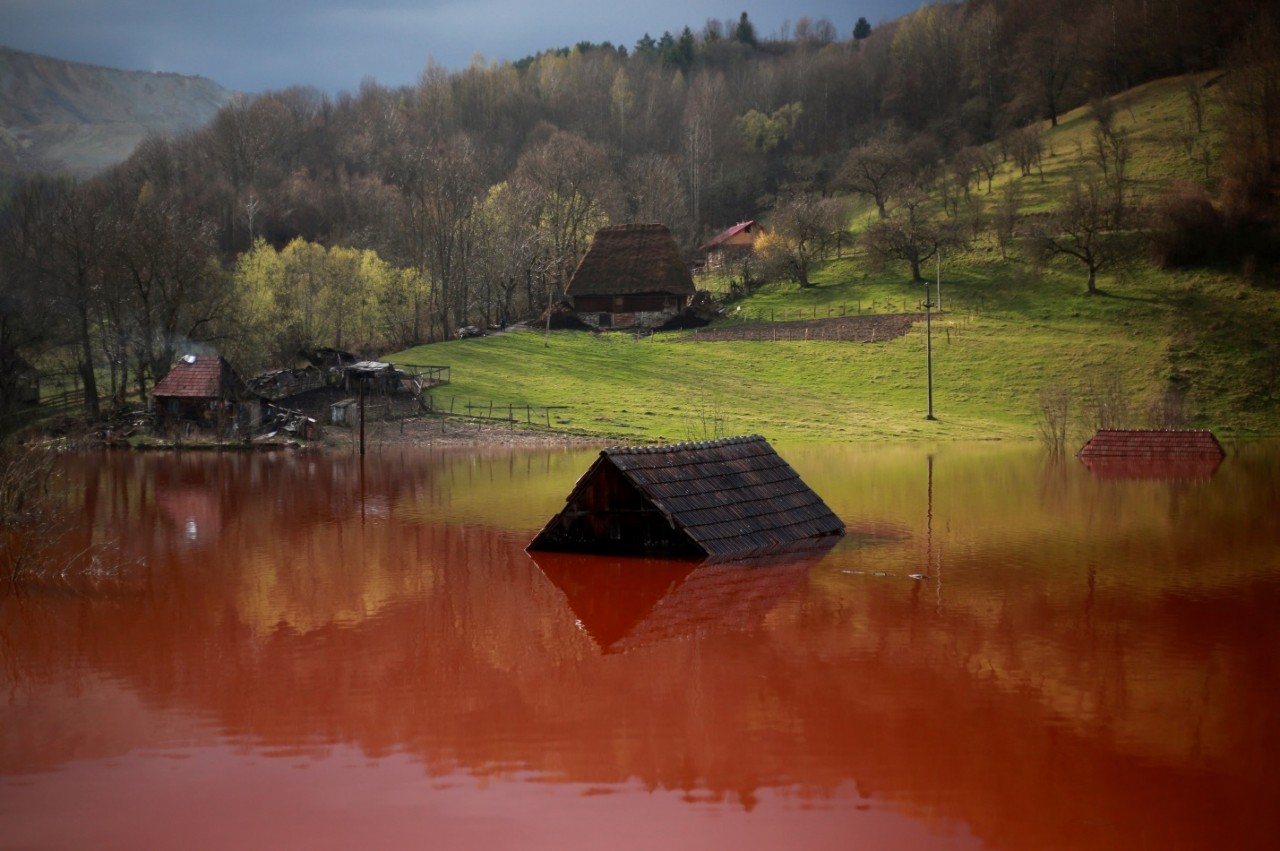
390 217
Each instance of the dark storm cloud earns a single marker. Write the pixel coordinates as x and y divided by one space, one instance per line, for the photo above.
253 45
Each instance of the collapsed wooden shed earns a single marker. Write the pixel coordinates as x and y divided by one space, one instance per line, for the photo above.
721 499
1152 453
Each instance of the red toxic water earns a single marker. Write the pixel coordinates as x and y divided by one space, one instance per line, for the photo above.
307 651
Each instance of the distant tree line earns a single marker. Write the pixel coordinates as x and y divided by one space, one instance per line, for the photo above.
388 217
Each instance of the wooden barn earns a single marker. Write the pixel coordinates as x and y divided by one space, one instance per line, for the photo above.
633 275
721 499
1152 454
730 244
204 392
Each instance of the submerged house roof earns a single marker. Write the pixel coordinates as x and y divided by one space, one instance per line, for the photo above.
724 499
630 259
200 377
1152 453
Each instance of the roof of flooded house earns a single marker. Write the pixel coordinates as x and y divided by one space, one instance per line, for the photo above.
1152 443
724 499
632 258
1152 454
727 234
198 377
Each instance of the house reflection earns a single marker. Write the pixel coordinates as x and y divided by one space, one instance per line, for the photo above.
625 603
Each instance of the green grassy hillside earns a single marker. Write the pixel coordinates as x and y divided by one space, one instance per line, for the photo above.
1009 331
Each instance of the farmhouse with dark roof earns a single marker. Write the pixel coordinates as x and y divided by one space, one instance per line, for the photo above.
633 275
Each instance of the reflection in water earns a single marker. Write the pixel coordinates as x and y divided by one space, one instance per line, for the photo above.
317 655
625 603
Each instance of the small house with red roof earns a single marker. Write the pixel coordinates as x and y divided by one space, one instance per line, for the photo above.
730 244
204 392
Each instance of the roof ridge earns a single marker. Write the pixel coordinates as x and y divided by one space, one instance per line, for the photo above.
684 447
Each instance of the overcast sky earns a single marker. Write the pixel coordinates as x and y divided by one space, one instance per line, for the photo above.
255 45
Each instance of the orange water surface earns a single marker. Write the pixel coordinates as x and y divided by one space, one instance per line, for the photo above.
310 651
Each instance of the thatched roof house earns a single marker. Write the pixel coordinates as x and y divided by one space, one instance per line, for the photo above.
1152 453
723 499
632 275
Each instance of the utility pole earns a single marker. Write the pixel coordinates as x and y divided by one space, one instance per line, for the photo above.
939 304
928 344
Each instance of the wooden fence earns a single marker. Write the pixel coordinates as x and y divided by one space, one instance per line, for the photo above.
873 307
426 374
489 410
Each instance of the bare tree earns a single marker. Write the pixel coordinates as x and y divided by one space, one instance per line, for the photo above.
165 260
1007 215
654 193
54 244
1054 416
877 169
1083 228
912 232
1251 97
577 194
889 166
1048 55
1111 152
801 231
1026 147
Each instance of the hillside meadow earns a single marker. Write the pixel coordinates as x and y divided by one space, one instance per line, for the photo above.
1194 348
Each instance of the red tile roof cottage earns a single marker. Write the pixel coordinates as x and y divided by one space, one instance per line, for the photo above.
203 392
730 243
633 275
